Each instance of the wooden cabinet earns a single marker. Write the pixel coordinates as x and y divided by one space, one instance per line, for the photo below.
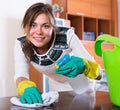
93 8
89 24
96 16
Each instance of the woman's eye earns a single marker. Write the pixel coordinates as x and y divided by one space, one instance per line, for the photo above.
46 26
33 25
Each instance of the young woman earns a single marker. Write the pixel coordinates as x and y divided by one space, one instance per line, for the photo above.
43 45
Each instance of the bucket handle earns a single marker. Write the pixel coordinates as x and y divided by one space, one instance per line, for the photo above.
102 38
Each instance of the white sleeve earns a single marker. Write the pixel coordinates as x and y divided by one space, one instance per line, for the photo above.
76 45
20 62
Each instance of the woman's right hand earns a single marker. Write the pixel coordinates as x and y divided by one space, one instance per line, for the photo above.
29 93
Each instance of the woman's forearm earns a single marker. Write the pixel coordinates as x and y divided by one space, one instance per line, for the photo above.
20 79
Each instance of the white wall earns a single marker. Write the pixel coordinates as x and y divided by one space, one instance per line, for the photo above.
11 14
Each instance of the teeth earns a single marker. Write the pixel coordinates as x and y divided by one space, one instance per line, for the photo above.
37 38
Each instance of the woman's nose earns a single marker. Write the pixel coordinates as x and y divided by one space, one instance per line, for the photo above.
39 30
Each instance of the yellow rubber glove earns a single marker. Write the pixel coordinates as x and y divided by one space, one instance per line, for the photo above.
92 70
23 85
29 93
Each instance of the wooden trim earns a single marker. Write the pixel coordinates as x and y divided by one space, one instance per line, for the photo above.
114 25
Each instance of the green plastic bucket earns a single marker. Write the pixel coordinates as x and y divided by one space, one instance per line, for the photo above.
111 59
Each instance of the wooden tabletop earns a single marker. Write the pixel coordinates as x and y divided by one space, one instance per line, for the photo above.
70 101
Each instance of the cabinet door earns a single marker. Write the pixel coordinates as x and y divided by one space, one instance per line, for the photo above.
37 77
79 7
101 8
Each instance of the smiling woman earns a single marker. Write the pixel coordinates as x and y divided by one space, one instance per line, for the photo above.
42 46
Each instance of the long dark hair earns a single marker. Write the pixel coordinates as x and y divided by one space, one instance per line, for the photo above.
29 17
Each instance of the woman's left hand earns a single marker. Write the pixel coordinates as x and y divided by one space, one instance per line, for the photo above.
72 68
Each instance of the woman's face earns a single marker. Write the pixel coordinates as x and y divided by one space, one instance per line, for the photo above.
41 31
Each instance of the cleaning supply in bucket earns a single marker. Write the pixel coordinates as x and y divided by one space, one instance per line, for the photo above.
111 60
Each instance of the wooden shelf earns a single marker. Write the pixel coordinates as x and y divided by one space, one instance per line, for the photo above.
104 26
90 25
91 16
77 23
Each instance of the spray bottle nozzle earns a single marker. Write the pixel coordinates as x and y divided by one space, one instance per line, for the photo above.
63 60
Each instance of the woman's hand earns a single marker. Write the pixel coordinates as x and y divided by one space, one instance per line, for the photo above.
72 68
29 93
